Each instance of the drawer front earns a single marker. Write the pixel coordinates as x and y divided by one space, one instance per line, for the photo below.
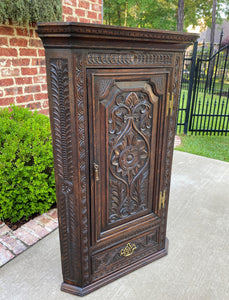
123 255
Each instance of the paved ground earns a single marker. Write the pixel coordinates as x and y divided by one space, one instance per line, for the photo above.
195 268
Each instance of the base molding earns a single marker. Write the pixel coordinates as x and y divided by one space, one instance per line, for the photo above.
75 290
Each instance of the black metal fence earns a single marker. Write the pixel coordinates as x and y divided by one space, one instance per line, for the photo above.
204 100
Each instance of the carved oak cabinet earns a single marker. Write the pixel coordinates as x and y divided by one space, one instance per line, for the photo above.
113 95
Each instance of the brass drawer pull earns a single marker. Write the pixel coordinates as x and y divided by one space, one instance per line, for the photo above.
128 250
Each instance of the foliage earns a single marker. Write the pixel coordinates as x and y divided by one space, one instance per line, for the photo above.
160 14
211 146
27 183
30 11
140 13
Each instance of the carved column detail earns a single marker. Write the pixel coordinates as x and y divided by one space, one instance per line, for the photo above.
83 161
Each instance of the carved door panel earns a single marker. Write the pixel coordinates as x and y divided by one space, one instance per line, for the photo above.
126 128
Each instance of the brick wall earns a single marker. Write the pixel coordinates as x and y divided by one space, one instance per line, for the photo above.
22 60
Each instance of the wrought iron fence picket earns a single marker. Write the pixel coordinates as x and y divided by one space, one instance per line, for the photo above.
204 99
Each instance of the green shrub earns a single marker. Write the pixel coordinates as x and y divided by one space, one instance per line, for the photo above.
27 183
30 11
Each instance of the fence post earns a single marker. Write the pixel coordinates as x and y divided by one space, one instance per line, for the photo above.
191 81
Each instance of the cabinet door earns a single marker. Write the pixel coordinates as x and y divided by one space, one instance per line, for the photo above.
127 123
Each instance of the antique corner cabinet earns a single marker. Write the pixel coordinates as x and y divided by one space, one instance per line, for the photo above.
113 95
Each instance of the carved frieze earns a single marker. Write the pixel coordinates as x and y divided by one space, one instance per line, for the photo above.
152 58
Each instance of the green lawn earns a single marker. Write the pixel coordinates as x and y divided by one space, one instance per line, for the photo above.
216 147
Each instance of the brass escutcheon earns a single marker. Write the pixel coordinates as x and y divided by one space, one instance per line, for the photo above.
128 250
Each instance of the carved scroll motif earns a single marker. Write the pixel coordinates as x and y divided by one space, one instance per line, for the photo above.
130 120
60 114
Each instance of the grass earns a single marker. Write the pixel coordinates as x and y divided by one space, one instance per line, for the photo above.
216 147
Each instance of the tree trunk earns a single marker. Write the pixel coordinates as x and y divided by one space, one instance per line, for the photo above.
212 38
126 11
180 15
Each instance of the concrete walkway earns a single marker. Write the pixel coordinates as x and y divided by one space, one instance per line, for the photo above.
197 266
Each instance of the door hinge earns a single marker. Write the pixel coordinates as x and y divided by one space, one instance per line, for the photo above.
169 110
162 200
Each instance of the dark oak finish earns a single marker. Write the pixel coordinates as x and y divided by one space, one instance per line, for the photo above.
113 95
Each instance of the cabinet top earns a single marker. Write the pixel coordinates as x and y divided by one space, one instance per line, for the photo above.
76 35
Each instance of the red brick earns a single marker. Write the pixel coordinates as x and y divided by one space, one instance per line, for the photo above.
53 214
25 236
83 20
28 71
44 87
13 91
83 4
34 105
4 229
67 10
21 62
80 12
18 42
23 99
25 32
5 30
5 62
3 41
71 19
8 72
40 79
8 51
1 95
45 104
23 80
44 111
28 52
100 17
5 255
6 101
42 70
13 244
41 96
35 228
91 15
69 2
32 89
46 222
6 82
35 43
41 52
38 62
96 7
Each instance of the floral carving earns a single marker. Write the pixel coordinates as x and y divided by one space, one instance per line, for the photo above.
130 122
130 156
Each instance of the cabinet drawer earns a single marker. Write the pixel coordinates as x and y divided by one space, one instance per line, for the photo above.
124 254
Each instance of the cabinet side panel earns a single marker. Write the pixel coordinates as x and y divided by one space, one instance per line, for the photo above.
64 143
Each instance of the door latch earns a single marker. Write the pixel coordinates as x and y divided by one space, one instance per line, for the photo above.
96 171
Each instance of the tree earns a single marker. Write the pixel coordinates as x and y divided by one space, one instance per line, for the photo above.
162 14
180 15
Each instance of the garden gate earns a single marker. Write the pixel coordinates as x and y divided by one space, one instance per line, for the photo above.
204 101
